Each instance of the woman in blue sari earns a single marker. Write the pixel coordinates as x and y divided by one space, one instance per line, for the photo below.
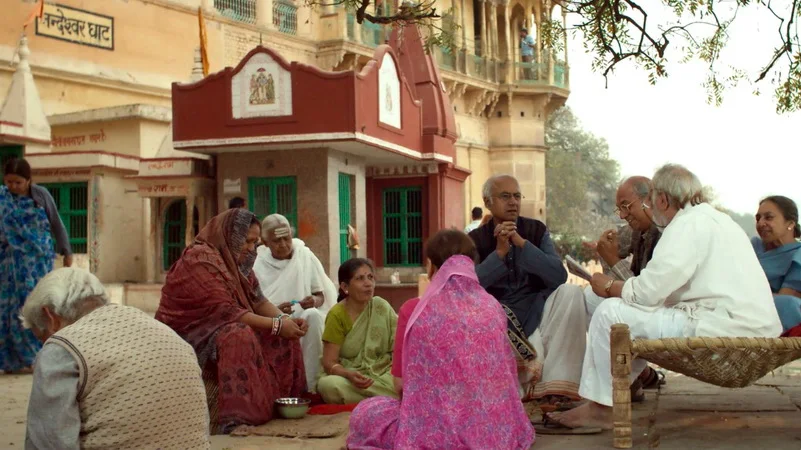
26 255
779 252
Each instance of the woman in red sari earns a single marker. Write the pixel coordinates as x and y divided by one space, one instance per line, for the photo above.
248 350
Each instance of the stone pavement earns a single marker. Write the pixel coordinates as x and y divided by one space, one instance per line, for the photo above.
686 414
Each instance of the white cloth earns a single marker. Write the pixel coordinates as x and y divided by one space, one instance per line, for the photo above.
472 226
591 301
705 265
284 280
596 373
560 349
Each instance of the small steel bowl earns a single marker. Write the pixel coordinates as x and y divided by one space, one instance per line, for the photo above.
292 407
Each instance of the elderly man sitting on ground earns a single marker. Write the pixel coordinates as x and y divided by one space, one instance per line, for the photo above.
703 280
546 317
108 376
293 279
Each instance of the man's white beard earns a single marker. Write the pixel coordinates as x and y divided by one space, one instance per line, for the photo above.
659 220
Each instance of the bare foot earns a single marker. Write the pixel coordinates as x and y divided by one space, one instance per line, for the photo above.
590 414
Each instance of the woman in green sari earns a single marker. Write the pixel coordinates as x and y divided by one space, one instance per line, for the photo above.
358 339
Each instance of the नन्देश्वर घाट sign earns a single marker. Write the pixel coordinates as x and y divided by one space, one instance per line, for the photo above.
76 25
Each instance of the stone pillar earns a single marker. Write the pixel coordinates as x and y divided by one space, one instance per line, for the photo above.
510 56
493 28
464 30
190 210
483 6
264 13
149 215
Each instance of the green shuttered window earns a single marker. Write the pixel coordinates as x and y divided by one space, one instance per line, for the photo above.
174 233
72 200
345 192
402 210
274 195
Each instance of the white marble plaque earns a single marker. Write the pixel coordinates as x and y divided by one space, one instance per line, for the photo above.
389 107
232 186
261 89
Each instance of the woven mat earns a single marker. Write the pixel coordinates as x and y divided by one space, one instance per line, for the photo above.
315 427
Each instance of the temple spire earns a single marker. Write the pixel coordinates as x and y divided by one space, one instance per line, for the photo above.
22 113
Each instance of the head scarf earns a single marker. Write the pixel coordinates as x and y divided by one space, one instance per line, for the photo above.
209 287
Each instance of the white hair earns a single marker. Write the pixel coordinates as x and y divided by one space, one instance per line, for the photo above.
274 222
679 184
67 292
486 190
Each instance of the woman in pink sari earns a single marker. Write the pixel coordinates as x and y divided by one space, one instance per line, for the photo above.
453 367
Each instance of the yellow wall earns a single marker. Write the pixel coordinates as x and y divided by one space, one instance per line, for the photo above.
155 42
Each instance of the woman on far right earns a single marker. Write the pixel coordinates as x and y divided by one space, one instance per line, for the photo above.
779 252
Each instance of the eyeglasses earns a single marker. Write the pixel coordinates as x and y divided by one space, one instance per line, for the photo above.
507 197
626 207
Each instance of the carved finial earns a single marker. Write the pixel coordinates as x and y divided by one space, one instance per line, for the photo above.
24 52
197 68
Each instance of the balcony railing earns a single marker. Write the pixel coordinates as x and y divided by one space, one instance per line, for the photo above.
239 10
464 60
285 17
479 67
446 58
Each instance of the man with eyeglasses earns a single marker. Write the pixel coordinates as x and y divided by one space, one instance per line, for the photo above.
519 266
638 239
704 280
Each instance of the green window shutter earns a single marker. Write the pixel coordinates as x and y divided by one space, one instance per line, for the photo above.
72 201
402 211
8 152
274 195
345 191
174 233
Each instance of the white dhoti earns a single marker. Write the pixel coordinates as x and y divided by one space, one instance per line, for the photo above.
312 344
596 379
285 280
591 301
560 342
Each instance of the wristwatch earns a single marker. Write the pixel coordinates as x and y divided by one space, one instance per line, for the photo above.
608 286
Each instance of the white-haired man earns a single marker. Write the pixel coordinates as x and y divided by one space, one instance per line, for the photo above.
521 269
703 280
293 279
108 376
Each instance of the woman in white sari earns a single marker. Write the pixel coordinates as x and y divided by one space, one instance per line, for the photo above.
293 279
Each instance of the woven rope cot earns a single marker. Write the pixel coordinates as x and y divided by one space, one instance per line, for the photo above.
725 362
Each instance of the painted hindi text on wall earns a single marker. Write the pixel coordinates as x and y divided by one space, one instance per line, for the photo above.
76 25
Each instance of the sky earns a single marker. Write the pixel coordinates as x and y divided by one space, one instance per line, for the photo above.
743 150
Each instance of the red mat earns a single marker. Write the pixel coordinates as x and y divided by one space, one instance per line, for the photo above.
324 410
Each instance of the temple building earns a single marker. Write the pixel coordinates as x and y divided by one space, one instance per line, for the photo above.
304 112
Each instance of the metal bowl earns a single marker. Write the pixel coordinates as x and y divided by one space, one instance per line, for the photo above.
292 407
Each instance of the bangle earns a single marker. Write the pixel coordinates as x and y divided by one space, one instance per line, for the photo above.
281 316
331 372
276 327
608 286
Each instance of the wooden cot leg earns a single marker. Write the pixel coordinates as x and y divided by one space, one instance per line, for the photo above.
621 389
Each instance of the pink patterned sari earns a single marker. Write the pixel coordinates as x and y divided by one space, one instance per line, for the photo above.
459 376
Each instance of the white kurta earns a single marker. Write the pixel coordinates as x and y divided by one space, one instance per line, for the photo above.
703 280
284 280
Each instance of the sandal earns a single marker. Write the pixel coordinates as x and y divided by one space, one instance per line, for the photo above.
654 379
554 427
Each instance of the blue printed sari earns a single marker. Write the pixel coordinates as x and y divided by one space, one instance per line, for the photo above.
26 255
783 268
